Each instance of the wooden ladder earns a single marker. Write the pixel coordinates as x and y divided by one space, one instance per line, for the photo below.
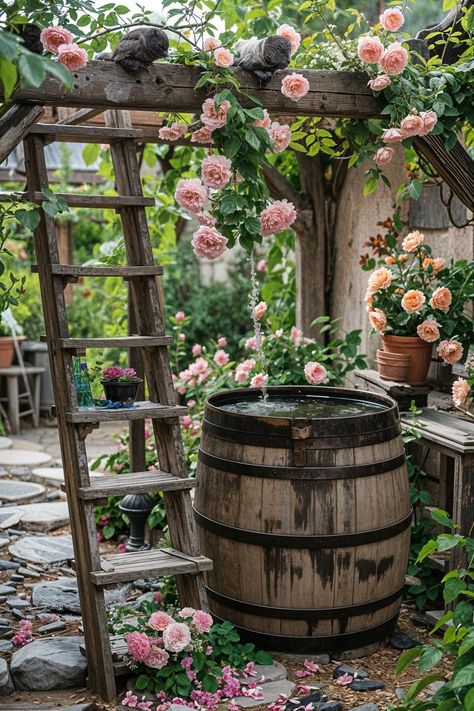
93 570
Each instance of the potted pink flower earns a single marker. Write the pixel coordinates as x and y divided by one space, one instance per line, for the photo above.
463 390
120 384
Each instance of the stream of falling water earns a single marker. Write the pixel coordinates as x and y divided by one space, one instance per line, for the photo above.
254 295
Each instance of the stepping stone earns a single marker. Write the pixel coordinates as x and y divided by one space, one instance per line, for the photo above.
18 603
43 549
271 692
44 516
59 595
365 707
271 672
52 627
53 476
8 565
50 663
17 492
402 640
5 443
366 685
345 669
23 458
9 516
5 646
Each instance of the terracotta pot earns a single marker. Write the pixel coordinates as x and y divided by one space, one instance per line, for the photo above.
7 349
393 366
419 352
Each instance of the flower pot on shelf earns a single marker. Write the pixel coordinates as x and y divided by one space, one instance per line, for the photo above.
393 366
420 355
7 349
123 391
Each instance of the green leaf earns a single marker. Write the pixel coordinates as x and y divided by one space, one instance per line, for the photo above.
452 588
50 208
469 698
8 76
32 70
28 218
91 153
467 644
141 682
419 685
447 541
108 531
263 658
406 658
370 186
8 45
59 71
442 517
464 677
429 657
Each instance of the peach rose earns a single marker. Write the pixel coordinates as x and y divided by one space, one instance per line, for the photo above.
413 301
173 132
412 125
428 330
389 260
430 119
461 392
294 86
378 320
264 122
392 135
392 19
450 351
215 118
216 171
279 216
223 57
211 43
383 156
394 59
412 241
52 37
380 279
208 243
291 35
380 83
436 264
72 56
369 49
280 135
191 194
441 299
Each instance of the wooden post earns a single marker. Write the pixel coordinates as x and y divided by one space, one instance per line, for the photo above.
64 236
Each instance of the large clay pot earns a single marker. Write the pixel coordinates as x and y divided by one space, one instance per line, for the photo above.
420 355
393 366
7 349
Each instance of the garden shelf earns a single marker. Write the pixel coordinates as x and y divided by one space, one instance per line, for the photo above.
71 270
120 342
143 410
133 483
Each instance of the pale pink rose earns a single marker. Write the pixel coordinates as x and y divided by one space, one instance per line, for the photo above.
383 156
180 316
208 243
461 392
394 59
186 421
413 301
72 56
202 135
428 330
223 57
196 350
450 351
259 380
53 37
211 43
378 320
441 299
221 357
392 135
344 679
380 83
261 266
216 171
280 135
412 241
202 621
243 370
215 118
380 279
176 637
160 620
205 218
392 19
296 336
369 49
260 310
430 119
251 343
181 390
277 217
292 35
191 403
191 194
173 132
412 125
138 645
315 373
157 659
158 598
264 122
294 86
222 341
186 612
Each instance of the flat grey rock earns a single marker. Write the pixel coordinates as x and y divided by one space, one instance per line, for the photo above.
6 684
366 685
5 443
18 603
9 516
59 595
316 658
43 549
5 646
58 626
401 640
365 707
8 565
23 458
4 541
271 672
179 707
13 491
7 590
271 692
47 664
353 671
44 516
53 476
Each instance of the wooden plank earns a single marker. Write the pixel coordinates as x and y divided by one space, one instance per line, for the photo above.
153 563
143 410
103 271
80 116
15 122
170 87
122 342
133 483
83 134
456 167
114 202
446 430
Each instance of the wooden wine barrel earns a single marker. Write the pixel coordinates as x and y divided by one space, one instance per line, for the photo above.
307 522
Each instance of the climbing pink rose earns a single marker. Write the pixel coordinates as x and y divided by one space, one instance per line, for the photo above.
211 43
202 621
176 637
277 217
428 330
294 86
315 373
187 422
280 135
222 341
53 37
292 35
191 194
461 392
264 122
157 659
441 299
430 119
380 279
394 59
392 135
173 132
450 351
412 241
216 171
205 218
221 357
208 243
413 301
186 612
380 83
369 49
412 125
261 266
260 310
296 336
159 621
251 343
223 57
196 350
202 135
180 316
215 118
72 56
138 645
259 380
378 320
392 19
383 156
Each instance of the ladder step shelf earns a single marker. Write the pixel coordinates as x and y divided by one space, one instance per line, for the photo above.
119 342
132 483
128 272
141 411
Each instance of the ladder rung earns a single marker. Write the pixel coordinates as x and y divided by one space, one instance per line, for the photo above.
114 202
70 270
84 134
120 567
144 410
123 342
132 483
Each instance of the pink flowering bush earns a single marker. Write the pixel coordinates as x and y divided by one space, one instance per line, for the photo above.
463 390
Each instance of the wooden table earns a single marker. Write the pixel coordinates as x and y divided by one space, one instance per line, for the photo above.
13 376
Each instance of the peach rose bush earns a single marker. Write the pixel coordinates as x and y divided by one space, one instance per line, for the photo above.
463 390
412 293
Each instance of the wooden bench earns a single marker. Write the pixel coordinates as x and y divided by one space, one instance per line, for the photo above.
403 393
13 376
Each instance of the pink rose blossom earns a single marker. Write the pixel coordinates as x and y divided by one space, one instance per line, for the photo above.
392 135
392 19
461 392
121 548
180 316
294 86
53 37
394 59
223 57
216 171
280 135
291 35
191 403
264 122
259 380
186 421
196 350
222 341
176 637
383 156
243 370
191 194
138 645
221 357
160 620
261 266
212 117
412 125
173 132
199 369
208 243
202 135
296 336
277 217
130 700
430 119
315 373
202 621
158 598
205 218
450 351
344 680
380 83
251 343
211 43
310 666
72 56
369 49
187 612
380 279
260 310
157 659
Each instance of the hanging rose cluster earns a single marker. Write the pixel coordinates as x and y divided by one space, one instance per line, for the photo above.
59 41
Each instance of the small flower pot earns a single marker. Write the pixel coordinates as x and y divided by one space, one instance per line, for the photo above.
393 366
420 355
7 348
124 392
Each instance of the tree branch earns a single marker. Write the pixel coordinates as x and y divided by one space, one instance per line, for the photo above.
281 188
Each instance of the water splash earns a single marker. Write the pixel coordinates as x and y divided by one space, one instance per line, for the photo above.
254 296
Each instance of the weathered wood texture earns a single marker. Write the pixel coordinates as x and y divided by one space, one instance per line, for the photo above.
15 122
454 166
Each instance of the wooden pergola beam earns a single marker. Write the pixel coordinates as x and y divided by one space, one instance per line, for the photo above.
15 122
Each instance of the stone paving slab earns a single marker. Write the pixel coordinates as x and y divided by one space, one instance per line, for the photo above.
9 516
13 491
44 516
22 443
5 443
43 549
23 458
53 476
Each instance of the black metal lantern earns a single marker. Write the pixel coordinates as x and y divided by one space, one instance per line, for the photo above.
137 508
